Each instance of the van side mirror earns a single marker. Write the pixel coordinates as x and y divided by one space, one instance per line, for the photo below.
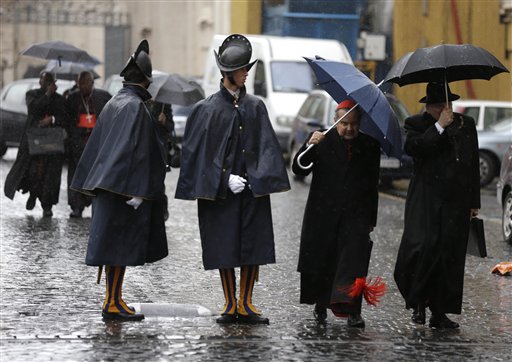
260 88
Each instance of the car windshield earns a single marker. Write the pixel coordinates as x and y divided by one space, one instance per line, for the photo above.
292 77
503 126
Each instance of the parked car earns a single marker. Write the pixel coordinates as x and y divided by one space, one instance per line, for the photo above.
13 109
317 112
179 113
504 194
485 113
492 146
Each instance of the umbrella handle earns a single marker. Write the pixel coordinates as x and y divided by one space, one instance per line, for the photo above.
324 132
300 157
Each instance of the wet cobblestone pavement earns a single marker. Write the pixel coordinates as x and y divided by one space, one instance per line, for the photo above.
50 302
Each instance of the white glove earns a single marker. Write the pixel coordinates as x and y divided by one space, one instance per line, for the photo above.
236 183
135 202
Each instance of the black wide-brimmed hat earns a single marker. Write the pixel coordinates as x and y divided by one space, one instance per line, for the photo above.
437 94
140 59
234 53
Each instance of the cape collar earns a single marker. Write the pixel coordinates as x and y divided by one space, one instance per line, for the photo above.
138 90
229 97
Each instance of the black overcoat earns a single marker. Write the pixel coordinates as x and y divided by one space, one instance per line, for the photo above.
340 212
444 187
124 158
236 229
41 174
78 136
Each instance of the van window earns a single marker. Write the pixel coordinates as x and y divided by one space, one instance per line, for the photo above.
494 115
472 112
260 85
290 76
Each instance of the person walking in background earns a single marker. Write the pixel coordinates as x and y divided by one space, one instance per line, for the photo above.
84 106
443 195
231 163
39 175
123 168
341 211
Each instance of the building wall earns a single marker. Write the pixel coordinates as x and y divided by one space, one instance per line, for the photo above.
429 22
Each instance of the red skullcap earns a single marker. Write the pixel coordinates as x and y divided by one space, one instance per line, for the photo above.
346 104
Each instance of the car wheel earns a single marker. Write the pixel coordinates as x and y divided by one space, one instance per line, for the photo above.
487 169
507 218
3 148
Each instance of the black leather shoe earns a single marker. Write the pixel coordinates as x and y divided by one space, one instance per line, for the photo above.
418 315
31 202
252 319
76 213
320 313
355 320
227 319
47 213
122 317
442 321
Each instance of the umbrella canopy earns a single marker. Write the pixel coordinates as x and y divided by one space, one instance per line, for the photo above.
174 89
60 51
445 62
342 81
69 70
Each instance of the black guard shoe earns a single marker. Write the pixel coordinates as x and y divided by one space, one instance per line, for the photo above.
418 315
227 319
31 202
252 319
126 317
442 321
355 321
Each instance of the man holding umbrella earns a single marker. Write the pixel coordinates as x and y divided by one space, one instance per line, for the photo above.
443 195
84 107
231 163
123 168
341 211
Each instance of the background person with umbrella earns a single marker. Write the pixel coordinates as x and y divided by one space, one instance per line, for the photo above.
341 211
40 174
84 107
443 195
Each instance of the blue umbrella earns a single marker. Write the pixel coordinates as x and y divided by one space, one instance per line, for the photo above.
342 81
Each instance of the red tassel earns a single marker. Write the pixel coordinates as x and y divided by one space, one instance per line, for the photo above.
372 291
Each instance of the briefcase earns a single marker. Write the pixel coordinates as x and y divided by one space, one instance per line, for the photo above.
476 240
46 141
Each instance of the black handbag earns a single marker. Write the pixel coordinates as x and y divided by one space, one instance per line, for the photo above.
46 140
476 240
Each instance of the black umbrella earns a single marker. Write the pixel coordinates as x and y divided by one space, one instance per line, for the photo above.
69 70
60 51
444 63
174 89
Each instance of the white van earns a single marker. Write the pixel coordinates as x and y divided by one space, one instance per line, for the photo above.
281 78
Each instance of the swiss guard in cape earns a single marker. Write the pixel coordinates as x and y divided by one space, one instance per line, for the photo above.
231 163
123 168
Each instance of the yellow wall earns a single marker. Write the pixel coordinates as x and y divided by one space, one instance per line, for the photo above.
246 16
479 25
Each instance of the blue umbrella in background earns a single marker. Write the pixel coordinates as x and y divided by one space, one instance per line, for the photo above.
342 81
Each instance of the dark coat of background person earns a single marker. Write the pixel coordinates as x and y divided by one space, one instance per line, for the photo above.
340 211
123 158
39 174
209 147
443 189
78 137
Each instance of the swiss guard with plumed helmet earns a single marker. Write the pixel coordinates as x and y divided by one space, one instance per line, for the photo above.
231 163
123 168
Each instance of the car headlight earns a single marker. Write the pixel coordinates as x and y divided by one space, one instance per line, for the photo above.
284 121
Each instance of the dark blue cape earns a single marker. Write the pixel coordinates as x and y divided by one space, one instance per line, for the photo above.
208 135
124 154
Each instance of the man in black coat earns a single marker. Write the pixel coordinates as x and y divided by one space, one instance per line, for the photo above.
84 107
123 167
444 193
39 174
231 163
341 211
